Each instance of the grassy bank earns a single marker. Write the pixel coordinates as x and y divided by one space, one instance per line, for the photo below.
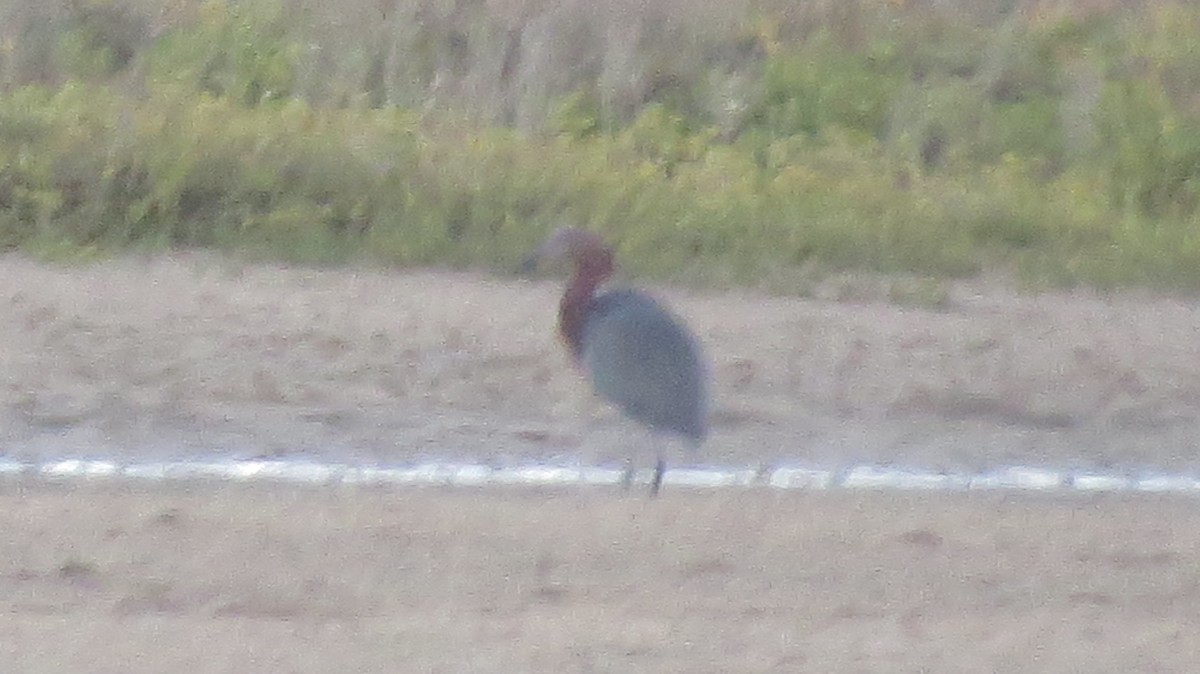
766 143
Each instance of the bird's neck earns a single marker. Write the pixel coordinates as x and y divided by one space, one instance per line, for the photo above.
573 308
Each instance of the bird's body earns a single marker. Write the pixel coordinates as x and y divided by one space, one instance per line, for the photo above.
638 355
642 359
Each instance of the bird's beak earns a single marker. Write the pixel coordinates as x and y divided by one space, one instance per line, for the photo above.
557 246
530 264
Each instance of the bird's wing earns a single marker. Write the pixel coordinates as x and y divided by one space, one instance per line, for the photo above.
642 359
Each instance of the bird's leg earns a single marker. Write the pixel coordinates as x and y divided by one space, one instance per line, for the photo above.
660 467
627 476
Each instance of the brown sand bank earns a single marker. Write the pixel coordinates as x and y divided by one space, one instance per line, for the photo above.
135 578
175 356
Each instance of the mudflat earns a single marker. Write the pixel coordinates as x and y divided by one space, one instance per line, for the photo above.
142 577
178 357
184 356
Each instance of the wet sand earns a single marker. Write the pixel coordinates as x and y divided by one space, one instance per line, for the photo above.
166 358
146 359
104 577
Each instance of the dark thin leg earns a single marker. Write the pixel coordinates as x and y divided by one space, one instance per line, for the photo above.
660 467
627 476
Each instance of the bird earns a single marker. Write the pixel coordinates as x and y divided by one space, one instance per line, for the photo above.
638 355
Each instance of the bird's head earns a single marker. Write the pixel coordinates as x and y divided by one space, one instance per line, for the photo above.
586 249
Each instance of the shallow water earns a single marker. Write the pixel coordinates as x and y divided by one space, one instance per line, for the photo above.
535 475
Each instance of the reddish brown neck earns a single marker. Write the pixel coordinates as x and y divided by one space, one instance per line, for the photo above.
573 308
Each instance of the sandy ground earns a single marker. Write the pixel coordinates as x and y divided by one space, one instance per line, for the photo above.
160 358
208 578
188 357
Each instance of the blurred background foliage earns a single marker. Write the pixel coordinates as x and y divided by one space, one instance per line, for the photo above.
759 142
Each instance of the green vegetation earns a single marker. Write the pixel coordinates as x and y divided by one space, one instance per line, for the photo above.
748 142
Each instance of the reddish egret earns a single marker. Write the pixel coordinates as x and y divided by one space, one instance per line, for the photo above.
638 355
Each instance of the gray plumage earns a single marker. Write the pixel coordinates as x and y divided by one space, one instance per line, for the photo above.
643 360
